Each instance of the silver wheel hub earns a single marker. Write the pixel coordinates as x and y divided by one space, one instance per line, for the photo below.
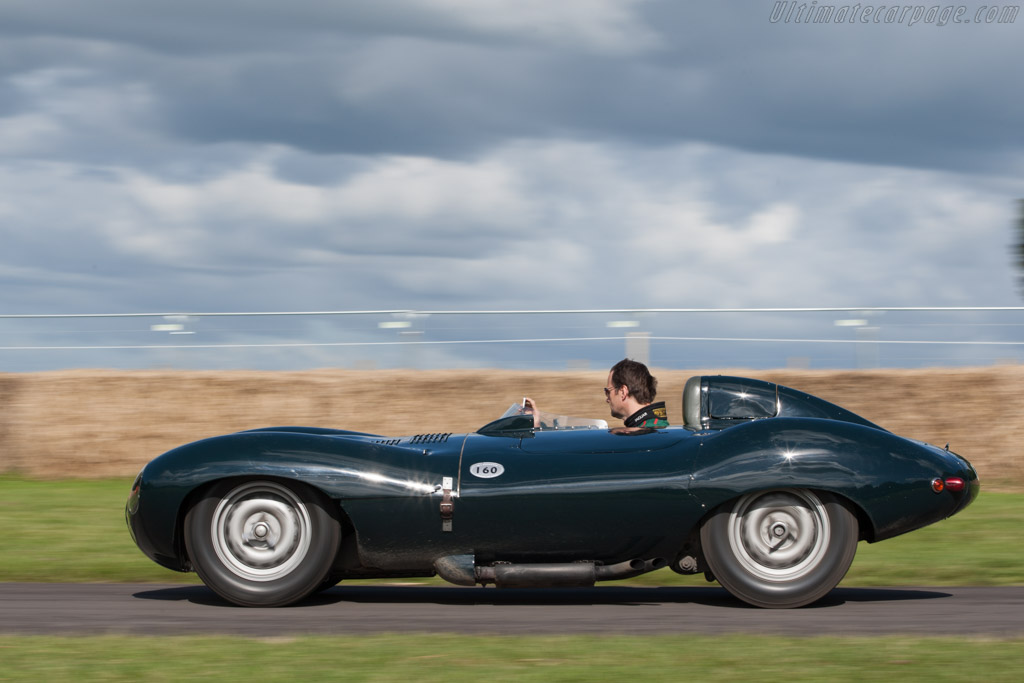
779 535
261 531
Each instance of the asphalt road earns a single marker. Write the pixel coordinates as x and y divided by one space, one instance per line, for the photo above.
175 609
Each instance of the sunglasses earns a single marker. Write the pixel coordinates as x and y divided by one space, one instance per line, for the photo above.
608 392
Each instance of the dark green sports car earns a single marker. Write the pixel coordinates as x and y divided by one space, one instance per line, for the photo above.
765 489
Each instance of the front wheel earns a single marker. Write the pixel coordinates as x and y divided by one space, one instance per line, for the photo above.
262 543
780 548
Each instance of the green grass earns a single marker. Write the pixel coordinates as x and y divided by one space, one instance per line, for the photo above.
74 531
71 530
981 546
426 658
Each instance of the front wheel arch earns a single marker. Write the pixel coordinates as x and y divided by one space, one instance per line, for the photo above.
261 541
780 548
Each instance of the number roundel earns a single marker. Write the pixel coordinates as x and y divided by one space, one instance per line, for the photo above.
487 470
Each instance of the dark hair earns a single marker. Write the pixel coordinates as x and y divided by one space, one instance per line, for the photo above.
642 385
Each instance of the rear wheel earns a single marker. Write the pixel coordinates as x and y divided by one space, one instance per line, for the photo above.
262 543
328 583
780 548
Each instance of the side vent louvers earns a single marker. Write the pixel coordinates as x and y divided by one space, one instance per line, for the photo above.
430 438
388 442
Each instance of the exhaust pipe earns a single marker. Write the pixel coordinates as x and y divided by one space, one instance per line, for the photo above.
462 571
538 575
626 570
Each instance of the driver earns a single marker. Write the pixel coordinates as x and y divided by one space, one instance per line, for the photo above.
629 391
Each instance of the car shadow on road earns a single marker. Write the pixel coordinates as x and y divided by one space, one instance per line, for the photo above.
713 596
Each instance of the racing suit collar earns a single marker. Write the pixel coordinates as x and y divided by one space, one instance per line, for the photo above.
648 412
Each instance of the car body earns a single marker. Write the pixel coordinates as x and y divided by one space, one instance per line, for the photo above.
764 488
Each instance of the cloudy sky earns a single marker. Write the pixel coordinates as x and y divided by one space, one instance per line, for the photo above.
498 154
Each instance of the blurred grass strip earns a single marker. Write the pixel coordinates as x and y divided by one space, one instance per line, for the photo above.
426 658
74 531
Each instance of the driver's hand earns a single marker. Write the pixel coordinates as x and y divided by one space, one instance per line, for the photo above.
530 408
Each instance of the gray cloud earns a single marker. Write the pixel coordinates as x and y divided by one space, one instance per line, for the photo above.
449 78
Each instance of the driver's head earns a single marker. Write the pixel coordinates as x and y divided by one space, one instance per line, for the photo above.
643 387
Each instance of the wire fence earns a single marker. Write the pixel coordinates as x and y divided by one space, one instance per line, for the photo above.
822 337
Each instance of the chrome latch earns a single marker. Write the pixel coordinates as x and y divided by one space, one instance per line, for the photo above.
447 506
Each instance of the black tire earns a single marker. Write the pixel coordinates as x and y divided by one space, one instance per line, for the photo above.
262 543
328 583
781 548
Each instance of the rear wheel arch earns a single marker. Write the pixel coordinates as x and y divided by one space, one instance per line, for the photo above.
865 523
781 547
